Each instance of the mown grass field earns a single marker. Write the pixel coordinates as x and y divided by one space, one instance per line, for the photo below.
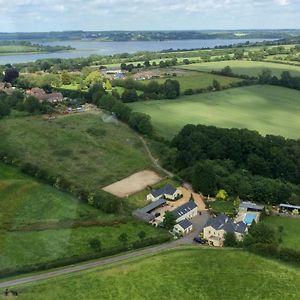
197 80
267 109
11 49
27 205
244 67
222 207
188 273
291 230
82 148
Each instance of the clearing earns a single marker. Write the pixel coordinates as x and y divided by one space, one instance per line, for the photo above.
238 274
133 184
82 148
267 109
244 67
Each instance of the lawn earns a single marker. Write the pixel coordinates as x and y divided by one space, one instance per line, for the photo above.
197 80
291 230
189 273
267 109
85 149
222 207
243 67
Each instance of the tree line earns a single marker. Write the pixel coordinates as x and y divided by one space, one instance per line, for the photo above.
244 163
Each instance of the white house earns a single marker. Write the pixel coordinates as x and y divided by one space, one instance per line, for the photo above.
168 192
183 227
215 229
186 211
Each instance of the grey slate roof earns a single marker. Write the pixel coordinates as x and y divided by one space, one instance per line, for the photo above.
167 189
152 206
185 224
185 208
251 205
289 206
225 223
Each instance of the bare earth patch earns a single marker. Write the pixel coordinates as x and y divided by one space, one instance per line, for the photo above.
133 184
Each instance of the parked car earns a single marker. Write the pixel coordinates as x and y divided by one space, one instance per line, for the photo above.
199 240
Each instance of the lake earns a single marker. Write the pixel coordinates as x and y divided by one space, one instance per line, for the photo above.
85 48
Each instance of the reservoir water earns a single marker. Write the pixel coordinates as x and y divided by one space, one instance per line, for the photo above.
85 48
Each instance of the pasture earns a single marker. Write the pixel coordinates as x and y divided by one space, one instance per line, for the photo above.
197 80
187 273
291 230
85 148
267 109
244 67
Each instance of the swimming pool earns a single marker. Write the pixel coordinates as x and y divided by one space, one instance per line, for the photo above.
249 217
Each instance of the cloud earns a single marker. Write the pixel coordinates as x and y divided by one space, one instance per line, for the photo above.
282 2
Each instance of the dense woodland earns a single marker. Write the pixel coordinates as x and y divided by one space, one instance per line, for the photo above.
244 163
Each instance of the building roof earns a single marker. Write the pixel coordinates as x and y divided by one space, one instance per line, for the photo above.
143 216
166 190
184 209
223 222
290 206
147 209
185 224
251 205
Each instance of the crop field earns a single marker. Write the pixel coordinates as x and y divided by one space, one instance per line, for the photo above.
291 230
85 149
188 273
243 67
267 109
197 80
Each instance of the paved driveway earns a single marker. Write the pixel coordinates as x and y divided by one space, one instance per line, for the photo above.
198 224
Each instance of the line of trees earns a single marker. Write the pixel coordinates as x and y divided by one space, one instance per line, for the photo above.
244 163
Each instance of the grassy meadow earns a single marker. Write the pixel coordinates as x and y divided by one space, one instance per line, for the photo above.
33 219
244 67
267 109
82 148
291 230
188 273
197 80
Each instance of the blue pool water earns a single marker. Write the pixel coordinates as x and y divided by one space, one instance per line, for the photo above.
249 217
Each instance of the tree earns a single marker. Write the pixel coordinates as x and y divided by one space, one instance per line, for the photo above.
227 71
142 235
10 75
265 77
171 89
93 78
222 195
141 122
169 220
123 238
95 244
260 233
65 78
237 202
32 105
147 63
108 86
230 239
129 96
216 85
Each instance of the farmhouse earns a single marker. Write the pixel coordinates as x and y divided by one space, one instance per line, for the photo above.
186 211
41 95
167 192
216 228
147 213
183 227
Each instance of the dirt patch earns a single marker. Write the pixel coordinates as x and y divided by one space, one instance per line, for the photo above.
133 184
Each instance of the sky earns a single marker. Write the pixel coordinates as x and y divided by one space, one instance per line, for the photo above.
98 15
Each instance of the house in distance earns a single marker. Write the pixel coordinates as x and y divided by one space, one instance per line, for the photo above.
167 192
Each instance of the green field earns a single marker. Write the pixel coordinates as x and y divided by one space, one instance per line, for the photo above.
200 80
291 230
222 207
267 109
243 67
26 201
83 148
11 49
189 273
